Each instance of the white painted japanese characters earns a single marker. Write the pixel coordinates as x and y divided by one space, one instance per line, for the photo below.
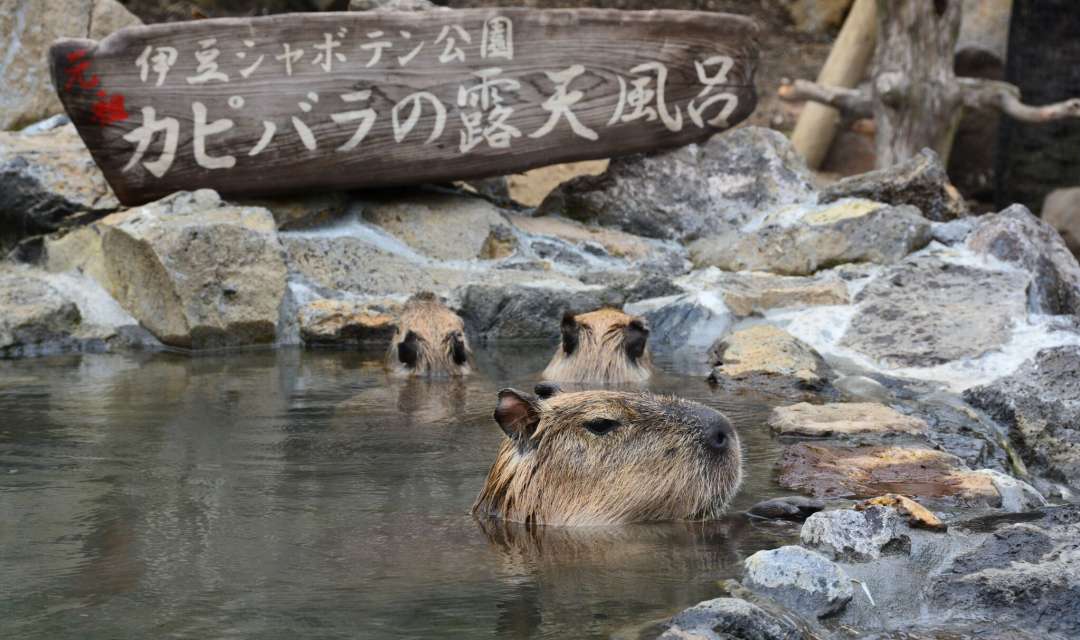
350 100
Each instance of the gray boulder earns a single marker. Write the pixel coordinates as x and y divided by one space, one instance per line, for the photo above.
527 311
848 534
684 321
1017 237
724 618
1040 406
800 579
852 231
1024 575
697 190
47 181
924 312
920 182
196 272
44 313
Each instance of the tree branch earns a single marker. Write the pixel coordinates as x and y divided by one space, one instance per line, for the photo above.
1002 96
851 102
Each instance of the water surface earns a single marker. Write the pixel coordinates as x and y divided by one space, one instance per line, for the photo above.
303 494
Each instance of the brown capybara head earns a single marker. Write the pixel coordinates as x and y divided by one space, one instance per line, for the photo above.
430 340
609 457
605 345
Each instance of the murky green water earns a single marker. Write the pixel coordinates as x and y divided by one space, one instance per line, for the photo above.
292 494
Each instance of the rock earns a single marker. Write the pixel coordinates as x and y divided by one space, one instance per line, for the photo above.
846 534
856 388
195 271
920 182
850 231
48 181
1039 404
685 321
495 190
766 359
957 428
851 418
723 618
1017 496
1022 575
633 286
44 313
302 211
787 508
77 250
923 312
527 311
28 28
1061 210
614 243
748 293
954 231
530 188
1016 237
500 243
818 16
800 579
830 471
33 314
357 266
917 515
347 322
440 226
692 191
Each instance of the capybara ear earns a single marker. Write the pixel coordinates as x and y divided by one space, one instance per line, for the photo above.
545 390
458 351
637 334
516 414
408 350
569 330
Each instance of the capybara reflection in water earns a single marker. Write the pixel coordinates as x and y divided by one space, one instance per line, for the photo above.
430 340
605 345
609 457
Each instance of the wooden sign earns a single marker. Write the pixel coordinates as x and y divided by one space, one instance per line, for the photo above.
259 106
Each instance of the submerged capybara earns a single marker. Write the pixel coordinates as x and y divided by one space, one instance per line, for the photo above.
430 340
605 345
609 457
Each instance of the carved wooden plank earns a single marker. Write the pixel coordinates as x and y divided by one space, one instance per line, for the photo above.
259 106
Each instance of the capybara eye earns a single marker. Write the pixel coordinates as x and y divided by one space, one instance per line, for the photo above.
601 426
408 350
637 334
460 354
569 329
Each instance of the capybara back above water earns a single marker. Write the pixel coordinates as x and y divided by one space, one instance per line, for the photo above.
429 341
608 457
605 345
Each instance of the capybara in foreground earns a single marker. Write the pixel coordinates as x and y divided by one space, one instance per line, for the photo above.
609 457
605 345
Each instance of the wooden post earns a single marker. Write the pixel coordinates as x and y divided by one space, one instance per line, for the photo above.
845 67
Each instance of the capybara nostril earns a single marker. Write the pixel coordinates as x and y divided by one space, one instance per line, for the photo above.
717 438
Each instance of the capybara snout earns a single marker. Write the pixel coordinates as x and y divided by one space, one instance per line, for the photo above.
607 457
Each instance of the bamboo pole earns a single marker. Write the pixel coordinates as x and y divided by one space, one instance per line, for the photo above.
845 67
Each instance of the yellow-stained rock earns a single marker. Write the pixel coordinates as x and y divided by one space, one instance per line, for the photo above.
849 418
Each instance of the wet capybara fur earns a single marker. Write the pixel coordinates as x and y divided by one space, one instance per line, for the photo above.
429 341
605 346
609 457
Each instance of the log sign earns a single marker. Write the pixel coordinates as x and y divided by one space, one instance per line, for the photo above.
299 102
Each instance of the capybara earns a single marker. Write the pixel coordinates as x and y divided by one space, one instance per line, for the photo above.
605 345
609 457
430 340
